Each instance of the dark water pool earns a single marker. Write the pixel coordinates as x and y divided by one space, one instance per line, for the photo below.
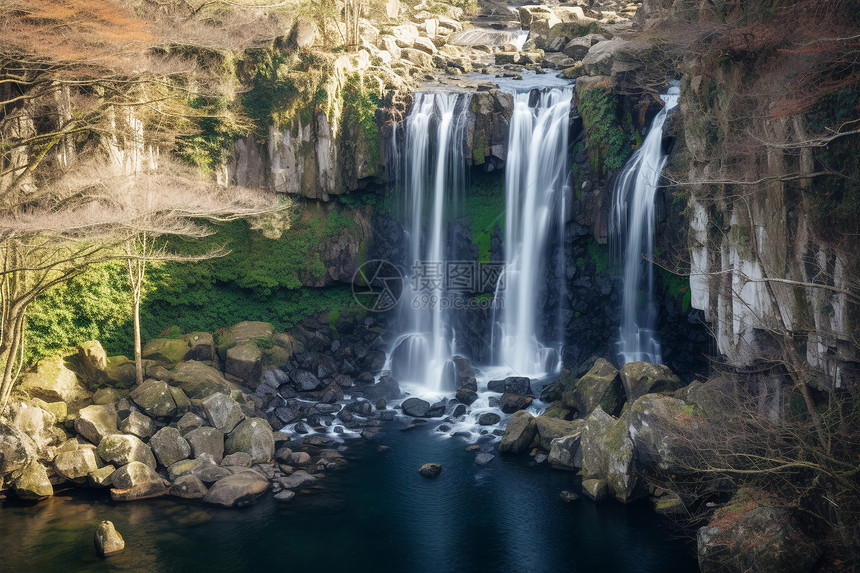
379 515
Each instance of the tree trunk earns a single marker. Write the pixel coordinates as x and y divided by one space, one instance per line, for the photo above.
138 349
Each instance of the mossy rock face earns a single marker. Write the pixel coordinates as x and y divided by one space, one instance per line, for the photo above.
54 382
640 378
559 410
519 433
566 383
607 454
170 350
600 386
747 535
245 331
549 428
661 426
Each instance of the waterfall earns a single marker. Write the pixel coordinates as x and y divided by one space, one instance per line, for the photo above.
536 173
431 179
632 230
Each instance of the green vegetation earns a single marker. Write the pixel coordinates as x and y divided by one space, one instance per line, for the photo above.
217 125
599 254
484 207
359 116
604 137
676 286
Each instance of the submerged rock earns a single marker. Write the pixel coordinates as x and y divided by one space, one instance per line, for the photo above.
430 470
107 539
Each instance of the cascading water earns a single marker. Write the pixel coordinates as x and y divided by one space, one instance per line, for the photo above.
632 232
430 181
535 175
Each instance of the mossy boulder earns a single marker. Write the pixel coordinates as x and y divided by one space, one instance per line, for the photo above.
121 449
549 428
169 446
519 433
600 386
201 346
245 362
607 455
662 428
640 378
155 398
755 534
253 437
33 483
120 371
96 422
53 381
171 350
136 480
107 539
16 449
75 465
92 360
222 411
237 490
198 380
566 452
246 331
206 440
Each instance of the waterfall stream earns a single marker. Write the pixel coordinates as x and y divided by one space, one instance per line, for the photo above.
632 228
535 175
433 177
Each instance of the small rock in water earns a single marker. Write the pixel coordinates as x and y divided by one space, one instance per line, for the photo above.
540 458
568 496
484 458
301 428
383 448
459 410
107 539
489 419
443 428
430 470
473 448
285 496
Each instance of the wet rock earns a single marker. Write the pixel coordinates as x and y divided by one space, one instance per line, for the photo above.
430 470
188 486
511 403
296 480
594 489
237 459
253 437
600 386
566 452
136 480
285 496
33 483
483 459
101 477
318 440
438 409
489 419
138 425
206 440
519 433
237 490
386 389
209 473
222 411
568 496
416 407
549 428
640 378
465 396
121 449
96 422
360 407
169 446
107 539
459 410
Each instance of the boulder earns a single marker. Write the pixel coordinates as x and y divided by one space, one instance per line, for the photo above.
303 35
170 350
747 535
198 380
138 425
223 412
239 459
405 35
284 496
101 477
640 378
430 470
208 472
155 398
246 331
600 386
121 449
237 490
304 381
75 465
206 440
169 446
188 487
484 458
253 437
296 480
96 422
386 389
54 382
107 539
120 371
245 362
416 407
489 419
466 396
37 423
33 483
566 453
201 346
463 374
182 468
92 360
189 422
549 428
136 480
511 403
577 48
594 489
613 56
660 427
607 454
519 433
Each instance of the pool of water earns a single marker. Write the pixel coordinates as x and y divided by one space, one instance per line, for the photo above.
379 515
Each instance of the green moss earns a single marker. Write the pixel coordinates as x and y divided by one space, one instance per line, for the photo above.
484 207
604 137
676 286
359 118
599 254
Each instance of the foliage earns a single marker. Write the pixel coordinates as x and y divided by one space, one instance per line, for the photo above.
676 286
484 207
604 137
218 125
359 116
599 254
